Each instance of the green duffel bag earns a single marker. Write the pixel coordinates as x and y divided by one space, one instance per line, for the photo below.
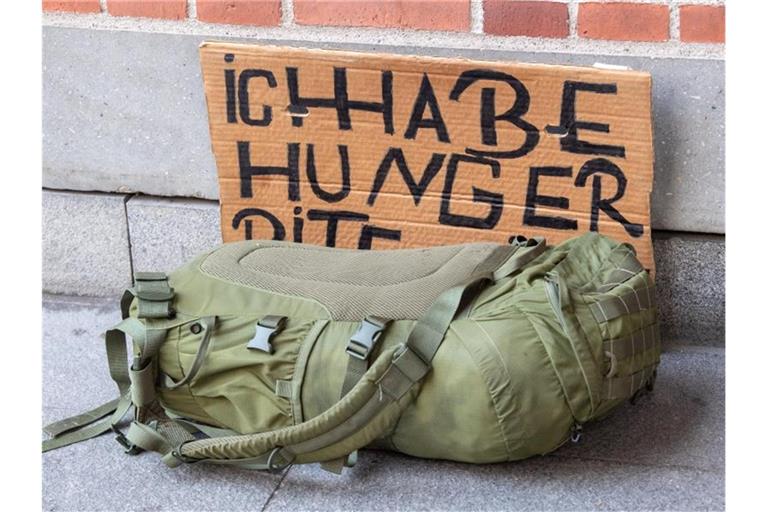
265 354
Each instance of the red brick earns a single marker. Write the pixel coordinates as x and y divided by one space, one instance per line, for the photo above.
535 19
413 14
167 9
624 21
72 6
239 12
702 23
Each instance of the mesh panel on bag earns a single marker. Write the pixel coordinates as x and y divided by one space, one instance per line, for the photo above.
395 284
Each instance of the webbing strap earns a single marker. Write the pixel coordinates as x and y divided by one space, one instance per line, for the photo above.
408 366
154 295
337 465
284 389
359 348
147 340
518 259
585 374
202 350
208 430
636 343
59 427
633 301
143 385
82 428
625 387
356 368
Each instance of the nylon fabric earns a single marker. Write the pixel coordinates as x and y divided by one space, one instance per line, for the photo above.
493 353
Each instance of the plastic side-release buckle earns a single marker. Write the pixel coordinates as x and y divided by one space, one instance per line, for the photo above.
365 338
266 329
129 447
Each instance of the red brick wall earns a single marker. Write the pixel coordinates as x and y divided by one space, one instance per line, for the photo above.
699 21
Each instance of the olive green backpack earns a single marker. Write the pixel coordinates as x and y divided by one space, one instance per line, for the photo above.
264 354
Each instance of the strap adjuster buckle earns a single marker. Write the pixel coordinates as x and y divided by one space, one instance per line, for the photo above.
266 328
154 295
129 447
365 338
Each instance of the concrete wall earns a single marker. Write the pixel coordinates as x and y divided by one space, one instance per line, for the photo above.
131 182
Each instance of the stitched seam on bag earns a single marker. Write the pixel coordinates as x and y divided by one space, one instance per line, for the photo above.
305 354
549 358
499 422
510 381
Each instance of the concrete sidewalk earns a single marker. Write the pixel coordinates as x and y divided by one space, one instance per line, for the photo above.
665 453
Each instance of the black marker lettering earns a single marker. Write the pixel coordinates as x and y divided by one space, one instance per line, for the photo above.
340 100
244 96
488 116
594 168
333 218
369 232
229 85
248 170
417 189
496 201
533 199
298 225
426 98
278 230
569 126
328 197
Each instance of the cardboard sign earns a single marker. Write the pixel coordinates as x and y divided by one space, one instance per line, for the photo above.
378 151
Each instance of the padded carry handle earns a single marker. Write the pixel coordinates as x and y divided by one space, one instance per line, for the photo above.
364 414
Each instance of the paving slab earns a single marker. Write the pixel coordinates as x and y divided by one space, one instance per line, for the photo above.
97 475
75 373
690 277
665 453
383 481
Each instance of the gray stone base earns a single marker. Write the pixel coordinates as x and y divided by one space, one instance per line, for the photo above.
85 244
166 233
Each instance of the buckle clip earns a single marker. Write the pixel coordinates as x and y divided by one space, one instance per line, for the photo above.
279 459
365 338
266 328
129 447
